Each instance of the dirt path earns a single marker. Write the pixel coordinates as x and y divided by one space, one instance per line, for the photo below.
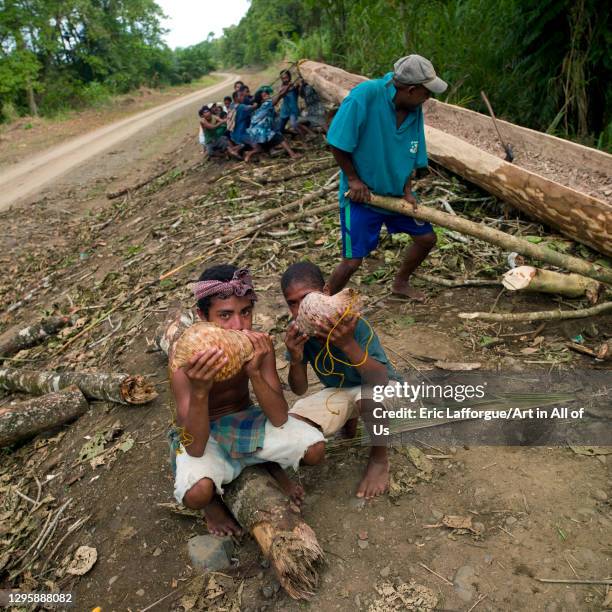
30 175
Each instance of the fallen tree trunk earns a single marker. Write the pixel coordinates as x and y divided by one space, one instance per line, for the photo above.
574 213
257 503
501 239
28 418
18 338
284 538
106 386
543 315
528 278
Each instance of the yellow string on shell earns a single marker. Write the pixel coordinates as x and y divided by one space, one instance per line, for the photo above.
327 367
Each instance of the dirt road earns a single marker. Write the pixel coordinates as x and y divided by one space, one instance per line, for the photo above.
30 175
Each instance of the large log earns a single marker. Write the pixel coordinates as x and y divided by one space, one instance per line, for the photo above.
258 504
18 338
106 386
28 418
575 214
501 239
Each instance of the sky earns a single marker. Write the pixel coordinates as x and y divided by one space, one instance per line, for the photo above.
190 21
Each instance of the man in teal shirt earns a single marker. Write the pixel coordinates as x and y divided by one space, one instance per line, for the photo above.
377 138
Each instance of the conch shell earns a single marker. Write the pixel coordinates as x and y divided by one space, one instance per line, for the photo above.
200 336
316 306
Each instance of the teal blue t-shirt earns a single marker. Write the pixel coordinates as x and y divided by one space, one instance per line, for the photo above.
383 154
351 378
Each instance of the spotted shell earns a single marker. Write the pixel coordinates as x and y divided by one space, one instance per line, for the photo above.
315 307
201 336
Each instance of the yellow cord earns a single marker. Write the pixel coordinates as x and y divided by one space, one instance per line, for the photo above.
184 436
327 366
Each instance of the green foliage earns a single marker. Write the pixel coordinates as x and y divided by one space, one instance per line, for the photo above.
57 55
542 64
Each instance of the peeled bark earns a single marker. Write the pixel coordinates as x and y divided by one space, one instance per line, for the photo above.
528 278
106 386
578 215
284 538
501 239
28 418
16 339
257 503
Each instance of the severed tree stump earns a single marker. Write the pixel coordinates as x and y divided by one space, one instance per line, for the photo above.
28 418
260 506
106 386
18 338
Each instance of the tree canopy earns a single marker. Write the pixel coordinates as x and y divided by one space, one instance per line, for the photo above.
66 53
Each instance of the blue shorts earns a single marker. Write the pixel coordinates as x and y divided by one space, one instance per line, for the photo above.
360 226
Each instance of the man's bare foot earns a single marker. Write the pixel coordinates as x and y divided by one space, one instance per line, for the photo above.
403 289
294 155
294 491
219 520
349 430
375 481
235 153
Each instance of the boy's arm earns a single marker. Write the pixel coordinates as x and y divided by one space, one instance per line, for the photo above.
298 378
206 125
261 370
372 372
191 387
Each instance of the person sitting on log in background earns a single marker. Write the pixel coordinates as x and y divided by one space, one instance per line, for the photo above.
261 134
227 102
219 429
337 407
215 142
378 139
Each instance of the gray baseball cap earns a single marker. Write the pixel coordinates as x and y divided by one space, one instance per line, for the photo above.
416 70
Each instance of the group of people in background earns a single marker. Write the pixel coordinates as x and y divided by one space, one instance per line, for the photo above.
246 125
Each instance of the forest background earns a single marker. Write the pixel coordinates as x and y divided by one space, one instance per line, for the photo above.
543 64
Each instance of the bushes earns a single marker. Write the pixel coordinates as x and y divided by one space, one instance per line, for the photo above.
543 64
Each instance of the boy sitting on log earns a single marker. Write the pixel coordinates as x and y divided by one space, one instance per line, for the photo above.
339 404
222 429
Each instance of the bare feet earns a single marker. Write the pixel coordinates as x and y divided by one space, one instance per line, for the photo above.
375 481
294 491
403 289
219 520
235 153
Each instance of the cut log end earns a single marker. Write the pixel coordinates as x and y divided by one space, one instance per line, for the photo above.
295 555
137 390
528 278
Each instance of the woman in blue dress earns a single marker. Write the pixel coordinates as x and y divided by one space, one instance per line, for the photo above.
261 133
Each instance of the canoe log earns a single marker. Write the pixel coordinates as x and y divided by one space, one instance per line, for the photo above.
575 214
